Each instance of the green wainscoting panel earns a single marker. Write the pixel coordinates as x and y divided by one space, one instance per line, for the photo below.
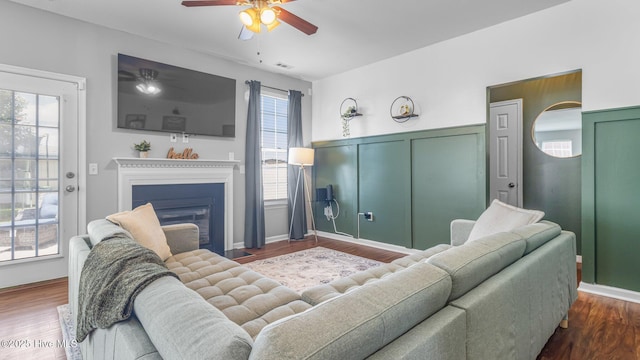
414 183
448 182
384 189
611 198
338 166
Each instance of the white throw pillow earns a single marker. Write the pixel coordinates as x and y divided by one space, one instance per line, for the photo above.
144 226
501 217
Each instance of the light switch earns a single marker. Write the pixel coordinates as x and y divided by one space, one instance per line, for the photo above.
232 156
173 138
93 169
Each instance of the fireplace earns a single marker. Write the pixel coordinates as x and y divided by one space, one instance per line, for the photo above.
198 191
200 204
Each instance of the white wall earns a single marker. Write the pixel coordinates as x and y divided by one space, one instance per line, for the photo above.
448 81
41 40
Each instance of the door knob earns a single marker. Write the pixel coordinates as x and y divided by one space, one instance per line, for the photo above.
512 185
70 188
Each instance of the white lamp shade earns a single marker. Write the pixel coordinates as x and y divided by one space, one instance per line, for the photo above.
301 156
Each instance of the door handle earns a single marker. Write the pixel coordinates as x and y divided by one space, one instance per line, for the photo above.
512 185
70 188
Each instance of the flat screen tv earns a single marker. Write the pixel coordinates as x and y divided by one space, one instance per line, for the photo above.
158 97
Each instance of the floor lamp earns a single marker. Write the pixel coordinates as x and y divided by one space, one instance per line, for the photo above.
301 157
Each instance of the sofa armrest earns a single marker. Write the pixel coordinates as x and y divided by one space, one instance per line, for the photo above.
79 248
460 230
182 237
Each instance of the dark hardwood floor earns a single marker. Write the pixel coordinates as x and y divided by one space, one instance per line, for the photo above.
599 327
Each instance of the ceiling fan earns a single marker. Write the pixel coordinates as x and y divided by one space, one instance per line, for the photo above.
260 12
146 82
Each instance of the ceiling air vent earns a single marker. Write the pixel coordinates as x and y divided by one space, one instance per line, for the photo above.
284 66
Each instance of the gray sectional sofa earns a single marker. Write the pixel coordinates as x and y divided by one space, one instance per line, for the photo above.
499 297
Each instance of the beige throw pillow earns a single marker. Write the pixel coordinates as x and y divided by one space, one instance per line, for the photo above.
501 217
144 226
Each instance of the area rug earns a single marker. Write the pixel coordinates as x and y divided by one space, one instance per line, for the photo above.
307 268
72 349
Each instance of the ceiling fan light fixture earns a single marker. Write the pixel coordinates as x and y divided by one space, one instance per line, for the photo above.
273 25
248 17
148 88
267 15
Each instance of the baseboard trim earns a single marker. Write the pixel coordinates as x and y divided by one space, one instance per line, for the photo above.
332 236
609 291
270 239
370 243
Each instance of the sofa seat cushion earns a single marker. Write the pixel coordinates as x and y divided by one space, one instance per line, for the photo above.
360 322
324 292
472 263
244 296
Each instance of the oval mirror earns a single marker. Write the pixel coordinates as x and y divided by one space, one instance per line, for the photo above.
557 131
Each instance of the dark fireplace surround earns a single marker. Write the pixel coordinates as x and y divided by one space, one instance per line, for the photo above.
200 204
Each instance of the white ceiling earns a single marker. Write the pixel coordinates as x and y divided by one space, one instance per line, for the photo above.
351 33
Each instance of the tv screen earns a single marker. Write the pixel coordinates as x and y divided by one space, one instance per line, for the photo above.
158 97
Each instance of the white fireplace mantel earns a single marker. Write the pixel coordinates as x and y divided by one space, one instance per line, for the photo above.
139 171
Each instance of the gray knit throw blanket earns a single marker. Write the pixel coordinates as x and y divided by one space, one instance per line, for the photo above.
115 271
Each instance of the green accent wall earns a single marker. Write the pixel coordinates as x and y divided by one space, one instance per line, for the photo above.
343 175
414 183
549 184
383 183
448 180
611 198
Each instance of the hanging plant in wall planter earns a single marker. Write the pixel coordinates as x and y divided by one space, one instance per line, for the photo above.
348 111
143 148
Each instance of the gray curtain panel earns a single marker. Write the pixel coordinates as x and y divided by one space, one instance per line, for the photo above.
298 223
254 198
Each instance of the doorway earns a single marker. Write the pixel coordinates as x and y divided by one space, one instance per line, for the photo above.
549 183
40 116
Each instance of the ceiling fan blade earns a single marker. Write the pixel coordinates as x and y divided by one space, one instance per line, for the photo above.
126 76
191 3
245 34
295 21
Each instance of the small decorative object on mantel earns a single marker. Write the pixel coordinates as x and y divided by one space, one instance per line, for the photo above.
402 109
186 154
143 148
348 110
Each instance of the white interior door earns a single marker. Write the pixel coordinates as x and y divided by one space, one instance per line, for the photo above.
39 205
505 149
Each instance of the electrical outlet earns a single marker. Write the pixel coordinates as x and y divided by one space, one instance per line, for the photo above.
368 215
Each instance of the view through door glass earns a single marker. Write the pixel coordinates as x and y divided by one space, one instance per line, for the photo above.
29 168
39 118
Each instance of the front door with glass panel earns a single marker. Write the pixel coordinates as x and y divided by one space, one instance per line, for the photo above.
38 176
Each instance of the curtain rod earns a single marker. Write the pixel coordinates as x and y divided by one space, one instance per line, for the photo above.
271 87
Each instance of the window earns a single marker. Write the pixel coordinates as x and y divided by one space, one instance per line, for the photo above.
29 131
274 146
558 148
